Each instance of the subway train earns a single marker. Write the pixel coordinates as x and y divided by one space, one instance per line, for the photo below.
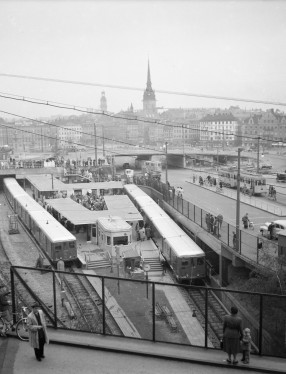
55 240
184 256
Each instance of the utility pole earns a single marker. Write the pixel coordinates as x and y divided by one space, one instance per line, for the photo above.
258 145
166 150
183 135
238 201
95 144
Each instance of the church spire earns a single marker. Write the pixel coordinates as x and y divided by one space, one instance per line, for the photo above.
149 99
149 85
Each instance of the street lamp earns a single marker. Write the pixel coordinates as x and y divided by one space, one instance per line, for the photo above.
166 153
238 200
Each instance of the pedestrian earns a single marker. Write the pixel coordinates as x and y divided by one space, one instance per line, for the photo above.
220 220
232 333
245 221
216 227
246 345
220 184
4 310
38 336
148 232
271 228
234 239
212 223
208 222
142 234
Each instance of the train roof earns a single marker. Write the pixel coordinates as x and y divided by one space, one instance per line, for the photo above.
180 242
53 229
48 224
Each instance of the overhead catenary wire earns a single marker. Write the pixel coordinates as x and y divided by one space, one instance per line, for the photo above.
121 87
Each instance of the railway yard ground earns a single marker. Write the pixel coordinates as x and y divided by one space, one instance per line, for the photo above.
129 307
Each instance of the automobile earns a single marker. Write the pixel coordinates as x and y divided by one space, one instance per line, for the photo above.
278 226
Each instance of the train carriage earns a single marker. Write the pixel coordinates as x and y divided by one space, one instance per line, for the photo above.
57 242
185 257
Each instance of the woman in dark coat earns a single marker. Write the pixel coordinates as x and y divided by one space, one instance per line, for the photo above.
232 333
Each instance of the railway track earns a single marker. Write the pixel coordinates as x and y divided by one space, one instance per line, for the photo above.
86 303
195 298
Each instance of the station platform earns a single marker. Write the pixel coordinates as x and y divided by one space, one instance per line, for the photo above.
72 352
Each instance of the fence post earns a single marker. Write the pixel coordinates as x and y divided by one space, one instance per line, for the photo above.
260 325
103 306
206 318
240 241
13 294
55 299
153 312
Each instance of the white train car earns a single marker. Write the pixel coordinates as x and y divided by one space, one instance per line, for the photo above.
185 257
56 241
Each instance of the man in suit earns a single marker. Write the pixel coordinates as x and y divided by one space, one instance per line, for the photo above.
38 336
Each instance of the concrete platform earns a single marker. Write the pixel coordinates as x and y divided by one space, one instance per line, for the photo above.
72 352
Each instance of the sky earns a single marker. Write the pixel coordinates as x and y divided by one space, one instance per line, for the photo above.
226 48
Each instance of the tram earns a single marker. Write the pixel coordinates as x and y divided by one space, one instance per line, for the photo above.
55 240
254 184
152 168
185 257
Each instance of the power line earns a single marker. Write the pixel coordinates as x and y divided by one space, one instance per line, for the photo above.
65 81
130 118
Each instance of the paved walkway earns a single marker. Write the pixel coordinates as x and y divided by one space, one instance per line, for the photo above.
274 207
73 352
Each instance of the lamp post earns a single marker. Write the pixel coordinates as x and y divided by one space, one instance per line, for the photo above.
238 200
258 145
166 153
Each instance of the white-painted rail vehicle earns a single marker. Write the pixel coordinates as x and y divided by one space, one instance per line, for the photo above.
55 240
185 257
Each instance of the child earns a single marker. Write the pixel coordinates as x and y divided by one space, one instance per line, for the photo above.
246 345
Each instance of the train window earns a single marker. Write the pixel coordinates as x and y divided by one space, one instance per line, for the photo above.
108 240
72 244
58 248
185 263
120 240
200 261
94 231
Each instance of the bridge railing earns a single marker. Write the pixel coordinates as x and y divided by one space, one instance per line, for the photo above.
250 245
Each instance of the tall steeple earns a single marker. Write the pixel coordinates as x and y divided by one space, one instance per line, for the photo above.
149 98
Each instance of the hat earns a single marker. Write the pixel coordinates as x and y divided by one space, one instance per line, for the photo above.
247 329
35 305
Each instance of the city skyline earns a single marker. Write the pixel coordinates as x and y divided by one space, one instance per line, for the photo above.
228 49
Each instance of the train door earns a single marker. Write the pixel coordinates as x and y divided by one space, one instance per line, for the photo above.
94 234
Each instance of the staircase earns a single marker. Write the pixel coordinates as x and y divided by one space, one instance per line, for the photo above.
154 263
98 263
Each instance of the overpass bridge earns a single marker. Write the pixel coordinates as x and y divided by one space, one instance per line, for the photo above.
181 159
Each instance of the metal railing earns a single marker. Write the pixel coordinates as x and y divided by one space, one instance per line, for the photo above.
162 312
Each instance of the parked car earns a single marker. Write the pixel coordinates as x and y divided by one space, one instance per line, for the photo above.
278 226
